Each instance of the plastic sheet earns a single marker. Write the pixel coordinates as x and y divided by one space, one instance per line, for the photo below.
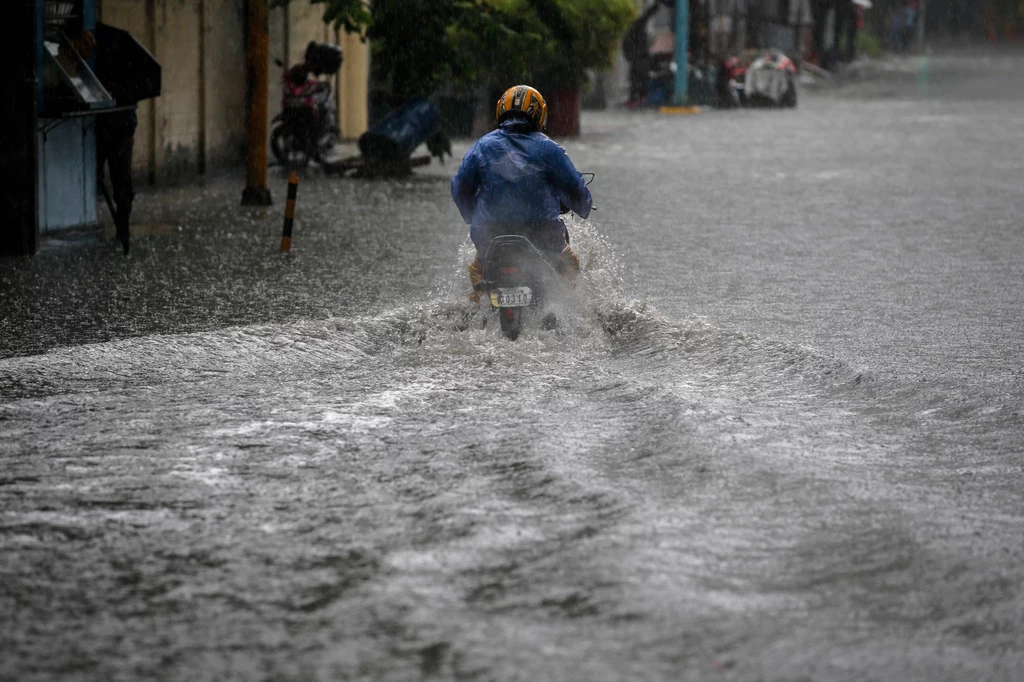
401 131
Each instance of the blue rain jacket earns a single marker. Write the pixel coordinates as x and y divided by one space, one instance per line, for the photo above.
517 175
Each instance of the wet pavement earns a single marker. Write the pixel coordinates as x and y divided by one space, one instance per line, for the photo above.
777 435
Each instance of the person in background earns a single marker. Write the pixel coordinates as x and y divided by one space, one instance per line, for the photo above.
901 25
846 30
636 49
721 27
910 9
115 137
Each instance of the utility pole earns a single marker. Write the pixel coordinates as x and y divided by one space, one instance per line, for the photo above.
681 97
19 231
258 60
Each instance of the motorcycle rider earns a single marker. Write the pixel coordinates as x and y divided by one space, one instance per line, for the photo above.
517 180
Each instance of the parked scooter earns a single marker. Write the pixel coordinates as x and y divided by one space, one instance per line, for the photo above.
307 127
732 73
769 80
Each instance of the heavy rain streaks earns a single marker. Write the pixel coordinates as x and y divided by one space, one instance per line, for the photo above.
777 435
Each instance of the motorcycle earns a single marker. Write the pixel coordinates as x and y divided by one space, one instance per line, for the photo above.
307 126
732 74
769 80
520 279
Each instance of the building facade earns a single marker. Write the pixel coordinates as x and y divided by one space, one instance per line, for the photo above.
198 123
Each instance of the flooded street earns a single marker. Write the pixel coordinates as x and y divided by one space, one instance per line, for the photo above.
777 435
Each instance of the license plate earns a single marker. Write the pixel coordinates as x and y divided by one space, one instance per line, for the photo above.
511 297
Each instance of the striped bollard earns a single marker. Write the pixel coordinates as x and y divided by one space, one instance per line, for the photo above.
289 211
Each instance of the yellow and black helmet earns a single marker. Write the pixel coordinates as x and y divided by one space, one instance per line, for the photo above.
524 99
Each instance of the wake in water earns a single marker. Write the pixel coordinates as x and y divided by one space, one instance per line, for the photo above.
599 297
598 318
599 315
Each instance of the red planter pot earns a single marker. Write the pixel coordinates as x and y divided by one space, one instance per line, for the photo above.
564 113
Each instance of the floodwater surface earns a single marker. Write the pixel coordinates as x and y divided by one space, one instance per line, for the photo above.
777 434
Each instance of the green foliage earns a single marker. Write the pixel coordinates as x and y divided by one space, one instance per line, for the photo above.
351 15
420 47
411 55
549 43
597 27
869 44
500 45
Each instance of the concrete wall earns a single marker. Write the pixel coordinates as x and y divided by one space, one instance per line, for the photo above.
354 87
198 124
178 125
224 58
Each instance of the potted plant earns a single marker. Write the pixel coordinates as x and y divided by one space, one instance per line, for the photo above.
550 44
595 29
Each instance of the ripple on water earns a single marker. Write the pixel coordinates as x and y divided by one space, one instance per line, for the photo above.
414 485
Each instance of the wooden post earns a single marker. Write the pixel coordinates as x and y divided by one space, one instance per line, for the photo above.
258 43
19 232
289 212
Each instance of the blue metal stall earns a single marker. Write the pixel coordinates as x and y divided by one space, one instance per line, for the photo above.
69 98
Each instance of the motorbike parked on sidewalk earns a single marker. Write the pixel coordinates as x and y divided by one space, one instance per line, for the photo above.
520 279
307 126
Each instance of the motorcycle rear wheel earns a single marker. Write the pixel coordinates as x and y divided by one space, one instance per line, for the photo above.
288 148
326 144
789 99
511 320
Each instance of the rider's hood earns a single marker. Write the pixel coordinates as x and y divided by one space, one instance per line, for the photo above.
519 125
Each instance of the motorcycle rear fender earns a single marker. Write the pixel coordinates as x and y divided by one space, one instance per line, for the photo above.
512 260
